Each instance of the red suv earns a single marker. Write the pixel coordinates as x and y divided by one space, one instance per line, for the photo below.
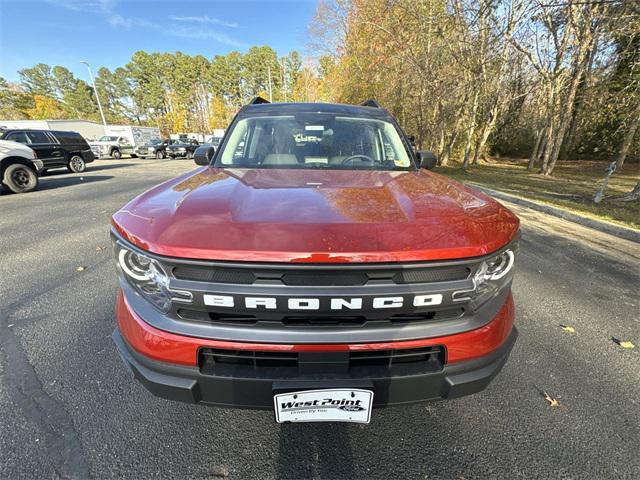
314 266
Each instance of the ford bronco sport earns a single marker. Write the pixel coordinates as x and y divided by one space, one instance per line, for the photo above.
314 266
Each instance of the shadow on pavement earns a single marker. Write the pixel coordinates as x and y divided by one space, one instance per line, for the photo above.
315 451
52 182
91 167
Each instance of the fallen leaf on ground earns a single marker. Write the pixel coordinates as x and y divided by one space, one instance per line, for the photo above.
80 269
568 328
553 402
100 248
220 472
623 343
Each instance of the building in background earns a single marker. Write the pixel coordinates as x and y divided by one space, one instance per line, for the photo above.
89 130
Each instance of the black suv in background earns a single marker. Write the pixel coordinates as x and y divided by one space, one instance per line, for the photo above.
55 149
155 148
183 148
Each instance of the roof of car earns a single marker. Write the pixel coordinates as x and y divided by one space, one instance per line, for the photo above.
293 108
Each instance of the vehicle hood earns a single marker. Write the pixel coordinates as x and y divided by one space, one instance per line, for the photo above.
315 216
178 145
8 147
98 144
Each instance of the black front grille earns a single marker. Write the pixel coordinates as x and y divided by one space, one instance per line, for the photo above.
315 321
389 358
324 279
287 364
216 317
215 275
437 274
322 276
251 358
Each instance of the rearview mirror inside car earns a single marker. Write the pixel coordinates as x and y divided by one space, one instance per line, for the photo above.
427 159
204 154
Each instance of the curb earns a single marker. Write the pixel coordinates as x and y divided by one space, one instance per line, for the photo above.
618 231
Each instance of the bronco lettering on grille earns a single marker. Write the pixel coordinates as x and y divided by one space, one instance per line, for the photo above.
299 303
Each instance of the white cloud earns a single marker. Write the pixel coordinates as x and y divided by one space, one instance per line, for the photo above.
107 9
203 19
201 34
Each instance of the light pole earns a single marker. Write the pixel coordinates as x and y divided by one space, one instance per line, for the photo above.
104 122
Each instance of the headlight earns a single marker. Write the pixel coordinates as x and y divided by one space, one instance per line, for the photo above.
146 276
492 276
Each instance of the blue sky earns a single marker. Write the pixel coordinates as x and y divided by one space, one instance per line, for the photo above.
108 32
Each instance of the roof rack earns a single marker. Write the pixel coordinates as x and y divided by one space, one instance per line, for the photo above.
258 101
371 103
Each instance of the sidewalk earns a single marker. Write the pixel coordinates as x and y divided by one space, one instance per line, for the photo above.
600 225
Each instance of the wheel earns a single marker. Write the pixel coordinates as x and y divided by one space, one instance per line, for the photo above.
76 164
159 154
20 178
116 154
189 155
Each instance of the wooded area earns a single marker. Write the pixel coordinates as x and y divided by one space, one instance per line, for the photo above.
173 91
546 80
540 79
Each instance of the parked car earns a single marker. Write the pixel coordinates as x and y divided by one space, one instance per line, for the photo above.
55 149
120 140
183 148
19 167
155 148
111 146
213 140
310 269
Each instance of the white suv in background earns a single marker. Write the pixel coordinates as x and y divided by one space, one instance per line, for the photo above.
19 167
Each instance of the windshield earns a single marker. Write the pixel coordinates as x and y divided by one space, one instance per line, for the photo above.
156 141
106 138
314 140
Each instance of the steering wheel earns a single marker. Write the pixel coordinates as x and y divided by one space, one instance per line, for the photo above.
362 156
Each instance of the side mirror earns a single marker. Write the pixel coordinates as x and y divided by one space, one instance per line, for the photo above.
203 155
427 159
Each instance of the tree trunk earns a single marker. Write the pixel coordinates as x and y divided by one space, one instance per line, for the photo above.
470 130
633 194
454 136
536 147
628 137
569 101
584 84
486 130
549 138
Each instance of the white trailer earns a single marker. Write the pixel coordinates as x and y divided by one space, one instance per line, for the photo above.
136 136
121 140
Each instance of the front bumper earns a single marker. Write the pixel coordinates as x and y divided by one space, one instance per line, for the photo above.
177 153
185 382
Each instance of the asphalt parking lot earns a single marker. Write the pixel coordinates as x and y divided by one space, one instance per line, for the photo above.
69 408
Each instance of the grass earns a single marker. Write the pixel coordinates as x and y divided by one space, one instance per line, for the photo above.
572 186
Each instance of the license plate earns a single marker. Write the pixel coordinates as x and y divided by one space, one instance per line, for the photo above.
335 405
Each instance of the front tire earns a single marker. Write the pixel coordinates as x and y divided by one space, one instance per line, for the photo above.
20 179
159 154
76 164
116 154
189 155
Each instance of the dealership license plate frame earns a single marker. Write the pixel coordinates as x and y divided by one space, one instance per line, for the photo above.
343 411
